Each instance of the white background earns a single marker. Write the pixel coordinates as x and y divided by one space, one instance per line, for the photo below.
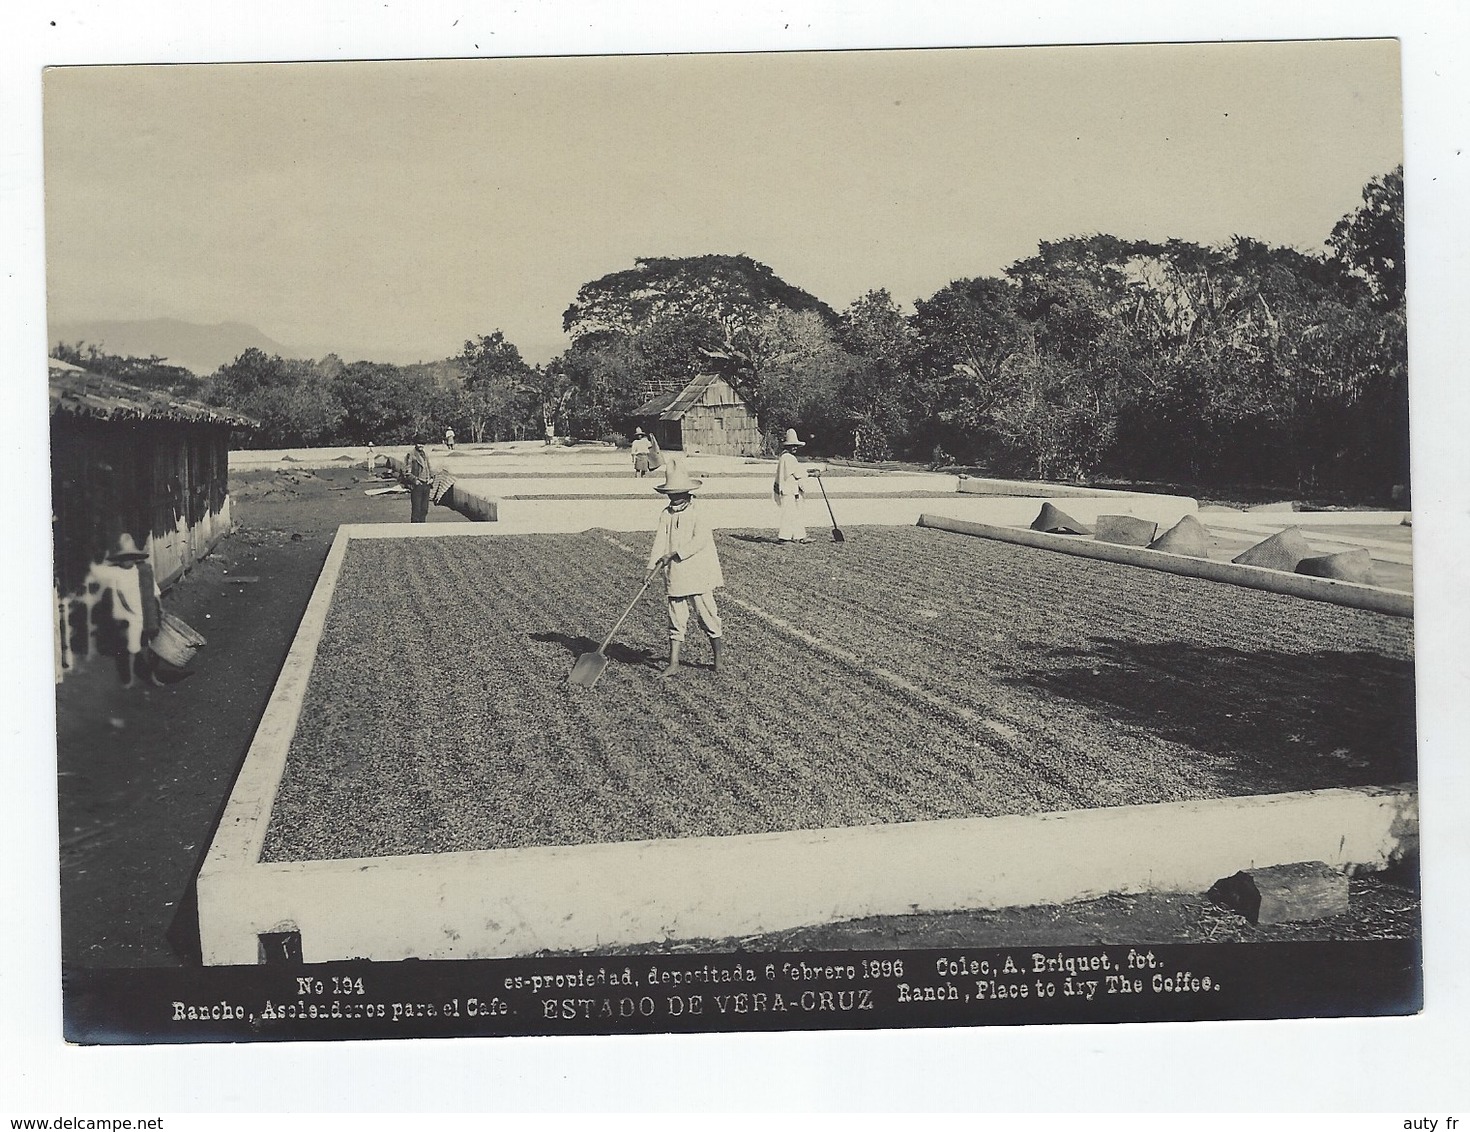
1404 1067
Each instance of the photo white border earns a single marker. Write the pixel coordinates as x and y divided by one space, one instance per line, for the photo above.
1410 1064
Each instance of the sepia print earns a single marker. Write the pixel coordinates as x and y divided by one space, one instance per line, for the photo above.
711 542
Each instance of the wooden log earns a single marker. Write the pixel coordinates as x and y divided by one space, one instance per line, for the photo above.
1307 890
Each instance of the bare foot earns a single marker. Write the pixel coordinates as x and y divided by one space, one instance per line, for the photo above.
668 671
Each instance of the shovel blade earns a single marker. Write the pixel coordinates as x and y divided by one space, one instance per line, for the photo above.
589 666
838 536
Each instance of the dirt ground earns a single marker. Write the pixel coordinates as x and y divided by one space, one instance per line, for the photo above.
144 772
1380 907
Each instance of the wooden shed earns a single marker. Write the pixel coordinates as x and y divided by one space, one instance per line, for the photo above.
707 415
127 460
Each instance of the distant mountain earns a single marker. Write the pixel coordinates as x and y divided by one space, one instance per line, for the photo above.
201 349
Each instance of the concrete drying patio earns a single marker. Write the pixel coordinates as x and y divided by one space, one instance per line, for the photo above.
511 901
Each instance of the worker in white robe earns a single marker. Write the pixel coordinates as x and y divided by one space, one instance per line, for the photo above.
136 606
684 547
641 447
788 489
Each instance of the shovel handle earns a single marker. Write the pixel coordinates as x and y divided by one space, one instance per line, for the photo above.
827 501
619 623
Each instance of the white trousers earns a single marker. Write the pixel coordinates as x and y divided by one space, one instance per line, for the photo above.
791 525
704 608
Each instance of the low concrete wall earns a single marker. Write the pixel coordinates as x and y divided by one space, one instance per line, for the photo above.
505 902
1252 577
1039 489
520 456
518 901
742 483
1320 536
1279 520
568 515
241 833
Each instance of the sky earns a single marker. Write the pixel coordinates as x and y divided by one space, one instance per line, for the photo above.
394 209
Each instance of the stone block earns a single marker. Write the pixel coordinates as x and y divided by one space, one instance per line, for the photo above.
1347 566
1125 530
1308 890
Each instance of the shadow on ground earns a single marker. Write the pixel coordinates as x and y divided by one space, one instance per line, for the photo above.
1294 720
577 646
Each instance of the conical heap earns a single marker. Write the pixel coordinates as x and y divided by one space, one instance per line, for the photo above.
1188 537
1055 522
1282 551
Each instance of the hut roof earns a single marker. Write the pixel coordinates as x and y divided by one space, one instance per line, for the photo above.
672 405
80 393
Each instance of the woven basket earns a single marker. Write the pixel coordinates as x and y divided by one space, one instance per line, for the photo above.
175 642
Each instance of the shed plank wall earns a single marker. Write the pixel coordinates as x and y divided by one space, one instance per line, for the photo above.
720 423
165 484
725 429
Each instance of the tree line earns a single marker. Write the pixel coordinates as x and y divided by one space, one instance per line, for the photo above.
1097 357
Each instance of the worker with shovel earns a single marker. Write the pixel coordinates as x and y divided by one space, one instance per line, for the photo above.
788 488
684 546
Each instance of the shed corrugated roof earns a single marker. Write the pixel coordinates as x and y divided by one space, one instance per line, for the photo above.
673 405
80 393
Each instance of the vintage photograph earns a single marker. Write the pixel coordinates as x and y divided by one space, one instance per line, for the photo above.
752 541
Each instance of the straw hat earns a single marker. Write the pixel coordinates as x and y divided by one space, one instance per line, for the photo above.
126 550
791 441
637 432
677 481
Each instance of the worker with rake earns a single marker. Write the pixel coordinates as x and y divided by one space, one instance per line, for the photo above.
684 547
